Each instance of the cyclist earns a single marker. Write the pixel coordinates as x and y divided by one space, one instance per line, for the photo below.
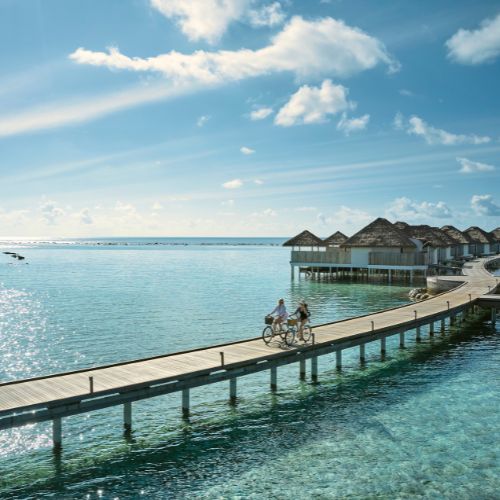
280 314
303 314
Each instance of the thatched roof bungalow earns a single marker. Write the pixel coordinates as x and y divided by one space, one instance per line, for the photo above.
335 240
461 241
381 237
304 239
495 234
481 241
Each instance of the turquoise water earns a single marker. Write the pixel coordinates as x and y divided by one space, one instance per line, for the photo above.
423 422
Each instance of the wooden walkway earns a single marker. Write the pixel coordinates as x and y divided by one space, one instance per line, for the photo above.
59 395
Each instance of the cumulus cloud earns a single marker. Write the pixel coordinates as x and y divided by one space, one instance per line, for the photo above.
345 217
306 48
268 212
483 204
247 151
85 217
259 182
234 184
416 126
51 212
260 114
477 46
406 92
267 15
202 19
313 104
202 120
348 125
473 167
406 209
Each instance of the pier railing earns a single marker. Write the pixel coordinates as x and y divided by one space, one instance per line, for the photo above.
396 259
330 256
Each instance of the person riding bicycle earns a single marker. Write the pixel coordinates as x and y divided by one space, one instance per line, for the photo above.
303 315
279 313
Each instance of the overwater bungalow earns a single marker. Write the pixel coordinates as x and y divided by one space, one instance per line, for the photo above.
495 234
336 239
460 248
436 245
380 246
305 239
481 241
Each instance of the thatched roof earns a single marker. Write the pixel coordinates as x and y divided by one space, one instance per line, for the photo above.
496 234
335 239
379 233
478 235
401 225
455 234
304 239
449 240
427 234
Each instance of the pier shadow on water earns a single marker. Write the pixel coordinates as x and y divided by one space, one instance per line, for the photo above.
339 422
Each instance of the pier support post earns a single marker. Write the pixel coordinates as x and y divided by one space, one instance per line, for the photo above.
401 340
419 336
431 329
185 403
382 346
292 271
302 369
127 417
274 379
57 434
232 390
493 316
452 319
314 368
362 357
442 325
338 359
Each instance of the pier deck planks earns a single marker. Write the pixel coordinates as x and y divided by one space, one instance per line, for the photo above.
18 396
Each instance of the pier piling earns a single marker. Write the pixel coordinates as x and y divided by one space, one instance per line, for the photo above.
57 434
382 346
232 390
338 359
185 403
127 417
274 379
362 357
302 369
401 339
314 368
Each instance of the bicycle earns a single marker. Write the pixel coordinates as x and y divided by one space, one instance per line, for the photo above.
294 330
286 331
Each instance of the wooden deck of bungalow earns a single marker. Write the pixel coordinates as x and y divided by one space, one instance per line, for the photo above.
53 397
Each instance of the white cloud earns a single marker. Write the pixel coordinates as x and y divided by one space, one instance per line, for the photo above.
305 209
268 212
259 182
306 48
234 184
406 92
60 113
431 135
345 218
405 209
202 120
260 114
478 46
202 19
267 15
473 167
247 151
51 212
157 206
227 203
348 125
313 104
125 208
84 216
483 204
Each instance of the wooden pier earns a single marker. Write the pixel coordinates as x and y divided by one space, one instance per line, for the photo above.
53 397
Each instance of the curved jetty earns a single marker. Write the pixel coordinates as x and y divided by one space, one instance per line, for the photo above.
56 396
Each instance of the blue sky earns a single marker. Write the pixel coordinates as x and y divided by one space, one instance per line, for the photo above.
246 117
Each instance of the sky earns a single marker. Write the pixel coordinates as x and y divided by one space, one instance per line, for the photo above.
247 117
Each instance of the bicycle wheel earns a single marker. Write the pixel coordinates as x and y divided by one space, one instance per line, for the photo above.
290 337
267 334
306 331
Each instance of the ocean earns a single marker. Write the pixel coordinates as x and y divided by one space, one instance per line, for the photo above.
421 423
